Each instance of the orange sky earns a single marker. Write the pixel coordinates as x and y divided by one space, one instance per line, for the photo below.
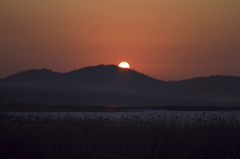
168 40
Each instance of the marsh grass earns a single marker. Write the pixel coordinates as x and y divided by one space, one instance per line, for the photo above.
129 137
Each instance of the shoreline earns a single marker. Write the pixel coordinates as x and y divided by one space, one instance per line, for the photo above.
66 108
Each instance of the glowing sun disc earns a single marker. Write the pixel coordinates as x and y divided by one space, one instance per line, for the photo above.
124 65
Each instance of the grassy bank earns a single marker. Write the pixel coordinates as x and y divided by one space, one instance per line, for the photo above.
33 137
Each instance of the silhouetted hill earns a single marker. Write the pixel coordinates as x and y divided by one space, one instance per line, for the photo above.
31 75
104 84
213 84
110 75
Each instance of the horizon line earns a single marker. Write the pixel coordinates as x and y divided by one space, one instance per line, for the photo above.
170 80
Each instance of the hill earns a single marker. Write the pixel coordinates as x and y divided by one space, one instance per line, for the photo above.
110 85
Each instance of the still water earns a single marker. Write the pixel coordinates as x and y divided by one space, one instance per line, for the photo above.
148 115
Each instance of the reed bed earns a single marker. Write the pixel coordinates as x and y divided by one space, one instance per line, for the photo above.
128 137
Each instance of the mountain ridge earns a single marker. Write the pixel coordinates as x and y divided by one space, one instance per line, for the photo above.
97 85
45 70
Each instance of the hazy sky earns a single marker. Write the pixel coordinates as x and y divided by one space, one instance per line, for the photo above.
165 39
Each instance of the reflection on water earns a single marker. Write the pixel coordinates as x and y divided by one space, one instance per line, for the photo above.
179 117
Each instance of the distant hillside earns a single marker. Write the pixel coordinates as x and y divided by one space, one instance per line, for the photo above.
107 84
224 85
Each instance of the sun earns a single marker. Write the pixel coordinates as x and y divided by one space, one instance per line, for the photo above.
124 65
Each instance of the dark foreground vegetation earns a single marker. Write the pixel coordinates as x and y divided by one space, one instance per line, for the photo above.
34 137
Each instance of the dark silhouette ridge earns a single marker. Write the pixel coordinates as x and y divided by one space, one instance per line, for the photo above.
104 84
